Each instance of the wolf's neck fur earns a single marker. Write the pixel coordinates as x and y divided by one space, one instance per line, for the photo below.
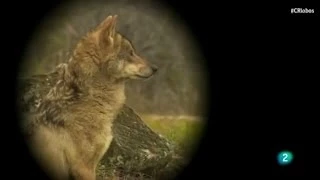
107 92
70 89
98 87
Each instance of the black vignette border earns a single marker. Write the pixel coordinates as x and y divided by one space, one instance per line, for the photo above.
204 21
22 20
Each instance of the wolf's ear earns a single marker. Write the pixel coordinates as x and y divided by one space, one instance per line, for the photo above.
107 30
113 26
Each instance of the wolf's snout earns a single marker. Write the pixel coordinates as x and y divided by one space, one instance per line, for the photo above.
154 68
148 71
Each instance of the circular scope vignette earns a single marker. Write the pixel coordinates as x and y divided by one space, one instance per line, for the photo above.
114 89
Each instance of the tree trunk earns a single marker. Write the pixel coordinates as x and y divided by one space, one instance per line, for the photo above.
135 147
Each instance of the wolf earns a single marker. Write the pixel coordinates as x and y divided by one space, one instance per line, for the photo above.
71 128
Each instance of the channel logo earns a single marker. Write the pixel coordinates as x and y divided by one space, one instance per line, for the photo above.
302 11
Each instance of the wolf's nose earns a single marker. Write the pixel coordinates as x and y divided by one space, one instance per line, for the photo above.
154 68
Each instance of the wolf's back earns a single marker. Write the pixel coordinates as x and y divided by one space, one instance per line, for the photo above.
32 90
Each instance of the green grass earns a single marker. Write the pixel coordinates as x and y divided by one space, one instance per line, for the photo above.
184 132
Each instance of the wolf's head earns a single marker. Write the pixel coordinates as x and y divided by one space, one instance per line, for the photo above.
106 53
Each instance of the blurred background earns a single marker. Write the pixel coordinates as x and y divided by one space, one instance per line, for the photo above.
157 33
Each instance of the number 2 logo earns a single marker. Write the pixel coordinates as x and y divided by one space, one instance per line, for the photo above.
285 156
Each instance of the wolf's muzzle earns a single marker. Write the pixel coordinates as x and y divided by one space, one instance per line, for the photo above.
154 68
147 71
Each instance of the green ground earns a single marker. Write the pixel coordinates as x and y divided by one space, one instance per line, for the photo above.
184 132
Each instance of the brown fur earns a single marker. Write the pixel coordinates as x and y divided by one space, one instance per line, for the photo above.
71 130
